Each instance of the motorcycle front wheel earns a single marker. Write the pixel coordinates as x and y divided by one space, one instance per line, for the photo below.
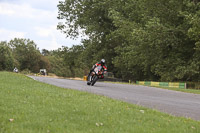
94 79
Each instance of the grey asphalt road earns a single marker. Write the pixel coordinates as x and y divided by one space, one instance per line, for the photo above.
171 102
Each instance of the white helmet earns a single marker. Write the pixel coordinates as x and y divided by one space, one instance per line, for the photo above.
103 61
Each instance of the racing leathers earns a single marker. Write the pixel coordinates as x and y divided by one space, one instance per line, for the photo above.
104 68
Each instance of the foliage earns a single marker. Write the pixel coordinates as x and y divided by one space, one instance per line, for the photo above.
6 57
141 40
58 66
67 62
23 54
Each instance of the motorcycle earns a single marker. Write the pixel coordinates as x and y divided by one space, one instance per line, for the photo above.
94 75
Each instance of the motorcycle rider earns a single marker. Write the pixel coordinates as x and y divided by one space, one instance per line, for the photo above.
104 68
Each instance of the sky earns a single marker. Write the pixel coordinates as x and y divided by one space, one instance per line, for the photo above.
35 20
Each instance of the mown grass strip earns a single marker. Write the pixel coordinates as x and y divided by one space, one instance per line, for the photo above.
28 106
195 91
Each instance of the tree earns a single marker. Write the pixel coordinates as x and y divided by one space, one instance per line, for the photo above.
6 57
45 52
141 40
28 55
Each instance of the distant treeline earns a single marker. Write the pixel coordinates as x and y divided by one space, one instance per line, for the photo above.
24 54
155 40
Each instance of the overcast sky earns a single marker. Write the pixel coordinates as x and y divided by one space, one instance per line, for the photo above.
35 20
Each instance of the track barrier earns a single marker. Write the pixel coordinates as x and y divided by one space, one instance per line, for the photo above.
85 78
163 84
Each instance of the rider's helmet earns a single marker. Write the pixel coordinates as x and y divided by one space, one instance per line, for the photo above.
103 61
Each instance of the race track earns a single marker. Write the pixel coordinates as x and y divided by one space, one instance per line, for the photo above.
171 102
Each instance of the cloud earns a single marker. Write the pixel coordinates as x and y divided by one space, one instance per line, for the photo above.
26 11
35 20
50 33
44 4
7 35
14 10
47 44
4 11
55 38
43 32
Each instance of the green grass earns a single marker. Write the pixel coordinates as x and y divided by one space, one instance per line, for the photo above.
41 108
195 91
182 90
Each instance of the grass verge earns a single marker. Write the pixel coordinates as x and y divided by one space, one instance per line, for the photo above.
195 91
28 106
182 90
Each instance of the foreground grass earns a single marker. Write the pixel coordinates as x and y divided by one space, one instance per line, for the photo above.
28 106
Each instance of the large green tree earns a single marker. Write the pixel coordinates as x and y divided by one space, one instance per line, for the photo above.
140 39
92 18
